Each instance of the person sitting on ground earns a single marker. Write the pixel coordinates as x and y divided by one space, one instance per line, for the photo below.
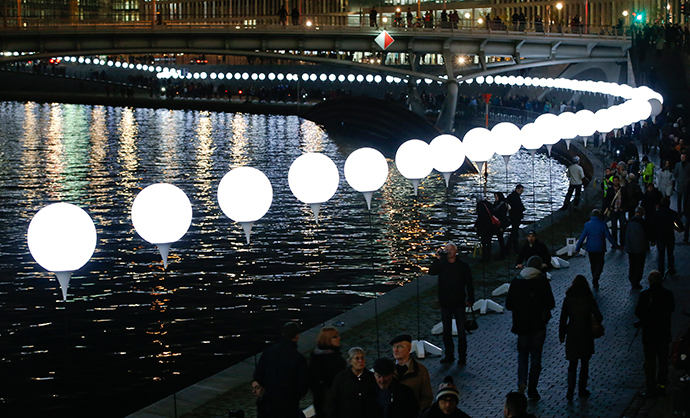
392 398
410 372
531 248
515 406
447 399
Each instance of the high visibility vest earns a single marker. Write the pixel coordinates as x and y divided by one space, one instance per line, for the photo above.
648 173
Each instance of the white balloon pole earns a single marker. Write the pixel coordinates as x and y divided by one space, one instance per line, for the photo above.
63 278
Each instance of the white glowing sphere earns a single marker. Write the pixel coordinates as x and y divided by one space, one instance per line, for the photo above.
313 178
531 137
567 125
366 170
61 237
245 194
585 125
657 107
506 138
413 159
478 145
642 109
447 153
548 126
604 121
161 213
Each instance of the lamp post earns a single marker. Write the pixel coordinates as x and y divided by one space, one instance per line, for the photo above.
61 238
313 179
245 195
161 215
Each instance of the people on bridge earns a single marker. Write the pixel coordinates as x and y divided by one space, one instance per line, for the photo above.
295 16
282 15
373 14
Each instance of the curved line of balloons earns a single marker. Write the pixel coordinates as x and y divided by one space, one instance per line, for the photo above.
62 237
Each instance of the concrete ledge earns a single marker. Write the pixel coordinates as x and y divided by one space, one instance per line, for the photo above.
194 396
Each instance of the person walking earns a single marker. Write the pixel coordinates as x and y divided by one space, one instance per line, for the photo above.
500 208
454 276
282 371
484 225
325 363
614 207
353 389
575 176
515 214
664 235
654 309
596 232
679 178
575 329
531 300
637 246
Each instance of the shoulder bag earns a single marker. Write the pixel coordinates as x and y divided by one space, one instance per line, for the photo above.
471 324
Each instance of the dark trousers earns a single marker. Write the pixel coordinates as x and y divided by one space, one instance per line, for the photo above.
529 351
656 352
572 375
636 267
596 264
447 315
618 218
662 248
501 242
515 237
283 409
486 239
679 206
577 188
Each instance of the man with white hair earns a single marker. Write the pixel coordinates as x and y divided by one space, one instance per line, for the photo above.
575 175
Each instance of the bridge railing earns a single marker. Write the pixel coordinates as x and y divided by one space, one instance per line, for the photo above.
322 22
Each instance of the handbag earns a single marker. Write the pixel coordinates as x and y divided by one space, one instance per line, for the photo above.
597 328
678 225
494 220
471 324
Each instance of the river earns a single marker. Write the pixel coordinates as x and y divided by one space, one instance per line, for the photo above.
131 332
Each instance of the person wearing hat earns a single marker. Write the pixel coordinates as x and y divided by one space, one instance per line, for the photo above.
515 213
410 372
575 175
282 372
447 399
531 248
393 399
531 300
454 276
654 309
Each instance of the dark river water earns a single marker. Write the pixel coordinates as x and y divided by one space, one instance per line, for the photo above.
130 332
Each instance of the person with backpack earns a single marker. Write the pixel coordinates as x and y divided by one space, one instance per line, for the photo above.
531 300
575 330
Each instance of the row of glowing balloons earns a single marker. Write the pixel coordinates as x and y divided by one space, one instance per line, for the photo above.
62 236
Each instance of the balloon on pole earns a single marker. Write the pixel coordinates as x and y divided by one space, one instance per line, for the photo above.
161 215
313 179
413 160
447 154
61 238
366 170
245 195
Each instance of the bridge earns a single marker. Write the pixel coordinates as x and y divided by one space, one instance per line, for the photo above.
496 51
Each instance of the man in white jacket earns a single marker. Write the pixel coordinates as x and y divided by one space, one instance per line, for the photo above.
575 175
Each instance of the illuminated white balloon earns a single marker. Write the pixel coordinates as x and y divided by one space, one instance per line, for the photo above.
366 170
531 137
478 146
313 179
413 160
506 139
61 238
548 125
161 215
245 195
447 155
586 125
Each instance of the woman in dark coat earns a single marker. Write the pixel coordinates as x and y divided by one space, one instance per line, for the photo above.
325 362
354 389
483 225
575 329
501 212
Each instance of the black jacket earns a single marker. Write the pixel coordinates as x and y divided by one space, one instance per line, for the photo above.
501 212
353 397
654 308
282 371
401 404
325 363
435 412
531 300
517 209
662 225
453 278
576 324
539 249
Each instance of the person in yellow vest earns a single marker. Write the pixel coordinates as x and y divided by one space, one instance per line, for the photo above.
647 171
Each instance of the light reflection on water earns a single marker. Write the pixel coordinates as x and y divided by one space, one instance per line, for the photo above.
134 331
